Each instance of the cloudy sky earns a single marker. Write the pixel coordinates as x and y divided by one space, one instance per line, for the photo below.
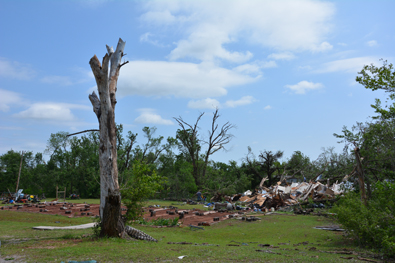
283 72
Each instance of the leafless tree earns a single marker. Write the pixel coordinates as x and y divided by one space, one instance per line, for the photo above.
106 75
188 136
218 137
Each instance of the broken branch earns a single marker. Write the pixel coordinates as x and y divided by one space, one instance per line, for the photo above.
81 132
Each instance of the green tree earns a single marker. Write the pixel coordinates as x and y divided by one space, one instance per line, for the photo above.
376 138
267 164
380 78
143 182
9 170
226 179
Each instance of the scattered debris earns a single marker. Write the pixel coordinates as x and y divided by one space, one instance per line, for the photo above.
367 259
267 251
196 227
278 196
263 245
330 228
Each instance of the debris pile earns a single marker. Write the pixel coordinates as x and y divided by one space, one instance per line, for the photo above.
279 196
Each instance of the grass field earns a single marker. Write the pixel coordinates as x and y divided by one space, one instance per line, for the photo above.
293 238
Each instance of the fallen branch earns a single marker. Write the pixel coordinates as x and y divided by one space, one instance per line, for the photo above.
81 132
138 234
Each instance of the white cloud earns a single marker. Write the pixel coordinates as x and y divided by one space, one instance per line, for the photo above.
209 103
61 80
269 64
268 107
290 25
15 70
352 65
158 17
204 104
282 56
255 67
208 46
304 86
147 37
148 116
243 101
160 78
371 43
8 98
324 46
51 111
248 69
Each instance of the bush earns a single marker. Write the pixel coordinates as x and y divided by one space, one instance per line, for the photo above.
142 183
159 222
372 225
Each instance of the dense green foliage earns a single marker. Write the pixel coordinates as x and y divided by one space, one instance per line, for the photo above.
142 183
159 222
373 224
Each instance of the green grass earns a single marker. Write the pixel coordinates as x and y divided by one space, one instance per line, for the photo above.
284 231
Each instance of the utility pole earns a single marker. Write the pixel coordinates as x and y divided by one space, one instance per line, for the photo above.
19 174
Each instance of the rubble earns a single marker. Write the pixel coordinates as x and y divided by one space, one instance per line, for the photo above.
280 196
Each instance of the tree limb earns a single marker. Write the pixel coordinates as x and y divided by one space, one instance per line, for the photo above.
96 104
81 132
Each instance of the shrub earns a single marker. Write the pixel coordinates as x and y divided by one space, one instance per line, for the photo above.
142 183
159 222
372 225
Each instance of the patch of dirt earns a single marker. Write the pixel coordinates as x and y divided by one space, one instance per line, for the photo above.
191 217
13 258
52 244
53 208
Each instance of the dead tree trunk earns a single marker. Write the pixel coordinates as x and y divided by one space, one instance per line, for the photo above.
106 75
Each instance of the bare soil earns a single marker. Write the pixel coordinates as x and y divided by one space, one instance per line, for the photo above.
193 217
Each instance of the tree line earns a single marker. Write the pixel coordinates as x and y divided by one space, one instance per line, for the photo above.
185 160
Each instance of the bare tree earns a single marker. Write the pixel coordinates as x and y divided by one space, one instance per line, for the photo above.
106 75
188 135
218 138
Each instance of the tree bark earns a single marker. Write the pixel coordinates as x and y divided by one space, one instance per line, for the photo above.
106 75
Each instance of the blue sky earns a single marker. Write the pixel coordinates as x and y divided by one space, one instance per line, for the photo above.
282 71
